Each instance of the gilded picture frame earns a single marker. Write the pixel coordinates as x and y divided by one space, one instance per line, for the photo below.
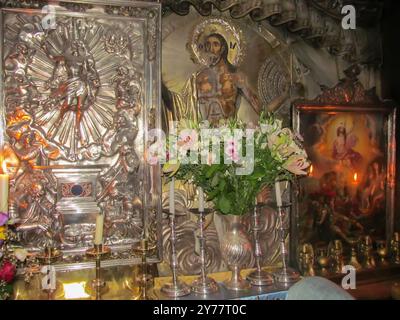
349 192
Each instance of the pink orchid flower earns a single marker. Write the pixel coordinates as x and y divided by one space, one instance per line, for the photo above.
187 139
232 150
296 164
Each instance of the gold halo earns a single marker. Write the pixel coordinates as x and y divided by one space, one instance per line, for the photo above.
231 33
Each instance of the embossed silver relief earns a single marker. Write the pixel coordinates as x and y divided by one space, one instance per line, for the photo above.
67 81
186 227
75 109
273 80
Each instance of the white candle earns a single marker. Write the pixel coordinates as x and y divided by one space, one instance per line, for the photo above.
278 194
201 200
172 196
4 179
49 281
98 238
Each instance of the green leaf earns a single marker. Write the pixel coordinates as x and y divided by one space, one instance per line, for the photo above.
211 195
215 180
257 173
224 204
211 170
222 185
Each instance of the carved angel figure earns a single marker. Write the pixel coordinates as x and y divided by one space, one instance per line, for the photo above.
74 84
127 88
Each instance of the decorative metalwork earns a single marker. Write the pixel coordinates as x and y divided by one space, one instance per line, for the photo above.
76 7
273 80
79 100
151 14
187 252
231 33
348 91
309 19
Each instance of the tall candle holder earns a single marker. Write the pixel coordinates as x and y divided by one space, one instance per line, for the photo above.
98 286
395 248
176 288
258 277
286 275
48 257
203 285
145 280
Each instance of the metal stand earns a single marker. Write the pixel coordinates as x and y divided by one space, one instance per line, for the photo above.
176 288
145 280
285 275
98 286
203 285
258 277
49 256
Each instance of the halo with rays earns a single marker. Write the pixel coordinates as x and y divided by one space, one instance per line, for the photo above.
97 114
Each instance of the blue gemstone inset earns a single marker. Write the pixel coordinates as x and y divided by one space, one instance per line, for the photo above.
77 190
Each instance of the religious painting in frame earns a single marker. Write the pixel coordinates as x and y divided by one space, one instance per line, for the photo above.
349 190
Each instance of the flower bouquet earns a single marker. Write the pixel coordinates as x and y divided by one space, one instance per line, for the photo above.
212 158
8 261
233 164
7 267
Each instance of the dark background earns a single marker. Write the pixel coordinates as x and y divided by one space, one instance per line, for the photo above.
390 28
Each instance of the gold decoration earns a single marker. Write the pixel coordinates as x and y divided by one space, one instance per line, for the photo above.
231 33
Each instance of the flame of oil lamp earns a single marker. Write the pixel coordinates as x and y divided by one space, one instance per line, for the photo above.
311 170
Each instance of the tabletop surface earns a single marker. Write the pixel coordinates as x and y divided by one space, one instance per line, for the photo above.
75 284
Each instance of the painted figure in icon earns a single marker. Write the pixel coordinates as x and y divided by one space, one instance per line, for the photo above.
213 92
343 148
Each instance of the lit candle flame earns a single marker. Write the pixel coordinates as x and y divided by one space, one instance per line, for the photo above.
4 167
311 170
355 177
75 290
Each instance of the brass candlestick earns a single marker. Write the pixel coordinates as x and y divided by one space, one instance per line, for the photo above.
48 257
145 280
353 253
306 252
98 286
395 248
367 254
323 261
336 255
309 265
382 251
